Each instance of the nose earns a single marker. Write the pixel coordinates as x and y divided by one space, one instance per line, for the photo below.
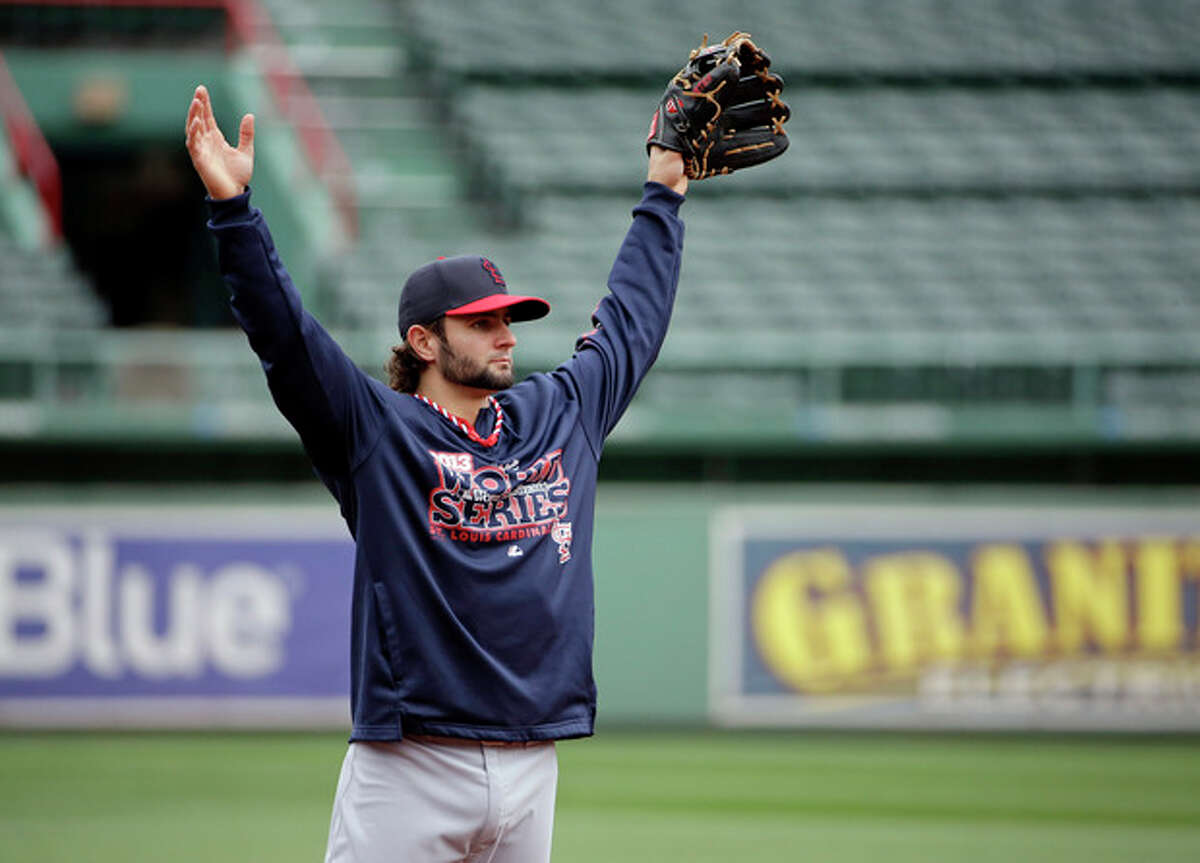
507 338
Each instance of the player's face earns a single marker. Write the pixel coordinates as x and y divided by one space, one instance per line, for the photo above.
477 351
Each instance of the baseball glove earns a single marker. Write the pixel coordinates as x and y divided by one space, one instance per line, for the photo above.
722 110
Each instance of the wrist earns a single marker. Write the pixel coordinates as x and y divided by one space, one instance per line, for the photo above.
666 167
223 192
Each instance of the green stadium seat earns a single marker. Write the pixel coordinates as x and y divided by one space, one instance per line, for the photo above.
1002 185
527 37
873 138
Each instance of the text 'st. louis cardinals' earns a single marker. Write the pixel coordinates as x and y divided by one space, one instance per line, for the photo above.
472 598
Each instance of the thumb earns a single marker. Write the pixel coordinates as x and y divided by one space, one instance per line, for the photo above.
246 135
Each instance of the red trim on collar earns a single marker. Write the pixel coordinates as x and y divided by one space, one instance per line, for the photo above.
464 426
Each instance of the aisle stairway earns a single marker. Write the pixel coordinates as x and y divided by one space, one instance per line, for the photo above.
406 173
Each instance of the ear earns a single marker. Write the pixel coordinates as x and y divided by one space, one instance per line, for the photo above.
423 342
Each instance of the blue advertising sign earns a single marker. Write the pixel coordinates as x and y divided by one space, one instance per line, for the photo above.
196 617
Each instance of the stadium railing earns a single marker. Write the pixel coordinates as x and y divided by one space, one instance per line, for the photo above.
32 154
206 386
832 364
51 23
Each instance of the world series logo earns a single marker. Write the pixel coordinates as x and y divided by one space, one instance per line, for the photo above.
500 503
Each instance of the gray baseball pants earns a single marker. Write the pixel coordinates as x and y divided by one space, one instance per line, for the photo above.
440 800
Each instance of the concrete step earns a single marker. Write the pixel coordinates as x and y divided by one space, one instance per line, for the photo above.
353 61
386 112
423 150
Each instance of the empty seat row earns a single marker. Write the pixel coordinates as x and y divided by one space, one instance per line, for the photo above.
630 36
908 268
871 138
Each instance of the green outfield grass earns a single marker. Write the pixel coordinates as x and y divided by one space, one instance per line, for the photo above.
631 797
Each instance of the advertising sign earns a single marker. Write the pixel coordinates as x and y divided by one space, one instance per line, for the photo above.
188 617
973 617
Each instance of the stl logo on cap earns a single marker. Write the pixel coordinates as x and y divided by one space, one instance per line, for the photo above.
491 270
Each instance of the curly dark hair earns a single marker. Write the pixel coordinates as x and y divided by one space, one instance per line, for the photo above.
404 367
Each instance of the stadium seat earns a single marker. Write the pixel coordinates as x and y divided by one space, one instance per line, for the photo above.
969 186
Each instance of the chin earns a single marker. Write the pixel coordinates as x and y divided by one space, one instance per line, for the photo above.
490 381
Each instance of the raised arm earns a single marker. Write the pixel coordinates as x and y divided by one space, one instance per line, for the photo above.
333 404
720 113
630 322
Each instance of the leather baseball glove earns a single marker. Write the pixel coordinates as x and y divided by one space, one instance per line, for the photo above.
722 111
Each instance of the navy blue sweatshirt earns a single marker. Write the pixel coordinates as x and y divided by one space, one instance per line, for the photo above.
472 610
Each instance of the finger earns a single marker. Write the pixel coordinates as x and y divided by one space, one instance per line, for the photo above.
759 85
206 111
246 135
752 57
200 97
746 148
717 78
761 113
193 116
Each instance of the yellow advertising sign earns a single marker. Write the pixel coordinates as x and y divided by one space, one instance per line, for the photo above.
928 617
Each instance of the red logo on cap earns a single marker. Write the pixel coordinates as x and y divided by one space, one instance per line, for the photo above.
491 270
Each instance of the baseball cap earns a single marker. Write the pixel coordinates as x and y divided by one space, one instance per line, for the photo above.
464 285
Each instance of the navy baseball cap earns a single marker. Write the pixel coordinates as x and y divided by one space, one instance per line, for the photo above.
466 285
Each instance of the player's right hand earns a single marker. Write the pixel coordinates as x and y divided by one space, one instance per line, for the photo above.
224 170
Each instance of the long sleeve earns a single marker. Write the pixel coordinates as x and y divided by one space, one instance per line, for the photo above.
332 403
630 323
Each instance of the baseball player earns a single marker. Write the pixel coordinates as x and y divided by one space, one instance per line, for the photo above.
470 498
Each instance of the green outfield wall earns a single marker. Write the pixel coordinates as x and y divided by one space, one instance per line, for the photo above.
767 605
651 565
901 606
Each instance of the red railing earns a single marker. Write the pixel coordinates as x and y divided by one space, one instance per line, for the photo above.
250 25
34 157
247 24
